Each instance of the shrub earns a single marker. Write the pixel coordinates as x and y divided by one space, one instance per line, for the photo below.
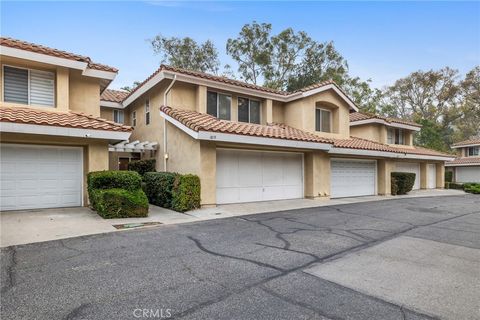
472 188
186 193
142 166
128 180
158 187
448 176
394 186
403 182
453 185
120 203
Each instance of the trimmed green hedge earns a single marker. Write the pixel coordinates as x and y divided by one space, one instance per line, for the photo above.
120 203
117 194
472 188
142 166
453 185
186 193
448 176
128 180
159 187
402 182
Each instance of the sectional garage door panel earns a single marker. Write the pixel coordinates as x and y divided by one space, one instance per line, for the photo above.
468 174
248 176
410 167
352 178
40 177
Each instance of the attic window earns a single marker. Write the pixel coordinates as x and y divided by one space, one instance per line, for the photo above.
395 136
323 120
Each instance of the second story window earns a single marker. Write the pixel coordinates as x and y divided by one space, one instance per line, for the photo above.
248 110
134 118
27 86
473 151
147 111
118 116
395 136
323 120
219 105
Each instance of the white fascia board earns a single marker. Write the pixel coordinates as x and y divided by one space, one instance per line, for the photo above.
111 104
62 131
144 88
466 146
102 74
388 124
384 154
239 138
461 164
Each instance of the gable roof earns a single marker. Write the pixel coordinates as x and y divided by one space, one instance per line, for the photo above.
195 76
113 95
465 143
70 119
36 48
359 118
199 122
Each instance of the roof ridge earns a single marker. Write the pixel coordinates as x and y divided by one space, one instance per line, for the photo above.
100 119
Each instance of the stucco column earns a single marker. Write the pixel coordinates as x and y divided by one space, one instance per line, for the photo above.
95 159
317 175
267 113
201 99
440 175
208 174
62 89
384 182
423 175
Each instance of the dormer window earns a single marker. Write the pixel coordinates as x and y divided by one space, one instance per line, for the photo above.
473 151
248 110
323 120
28 86
118 116
395 136
219 105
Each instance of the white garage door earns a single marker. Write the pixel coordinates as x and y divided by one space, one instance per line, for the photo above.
246 176
40 177
410 167
432 176
468 174
352 178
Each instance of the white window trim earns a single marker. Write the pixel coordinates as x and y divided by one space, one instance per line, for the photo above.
134 118
218 103
147 112
118 112
249 118
30 69
473 155
331 120
401 132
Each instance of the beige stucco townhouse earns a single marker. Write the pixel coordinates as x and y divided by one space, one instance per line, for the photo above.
466 167
50 127
251 143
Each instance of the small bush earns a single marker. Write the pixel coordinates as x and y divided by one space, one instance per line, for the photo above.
402 182
453 185
120 203
186 193
448 176
142 166
394 186
158 187
128 180
472 188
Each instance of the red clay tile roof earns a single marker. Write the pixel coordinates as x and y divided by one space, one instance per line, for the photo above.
358 116
464 161
230 81
467 142
113 95
19 114
205 122
23 45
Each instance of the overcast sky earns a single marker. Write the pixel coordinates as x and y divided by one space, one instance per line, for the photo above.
382 41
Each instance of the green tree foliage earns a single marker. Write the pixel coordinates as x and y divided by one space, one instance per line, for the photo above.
187 53
130 88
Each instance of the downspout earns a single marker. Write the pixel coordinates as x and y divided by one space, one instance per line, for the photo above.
165 154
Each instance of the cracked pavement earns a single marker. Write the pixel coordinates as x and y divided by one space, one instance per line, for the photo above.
250 267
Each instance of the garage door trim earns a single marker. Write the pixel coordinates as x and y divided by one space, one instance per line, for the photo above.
270 151
50 146
358 160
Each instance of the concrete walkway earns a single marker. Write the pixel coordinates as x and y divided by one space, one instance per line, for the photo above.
29 226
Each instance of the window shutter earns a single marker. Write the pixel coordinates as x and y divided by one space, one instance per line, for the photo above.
15 85
42 88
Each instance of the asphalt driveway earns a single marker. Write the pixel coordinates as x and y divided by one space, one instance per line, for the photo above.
354 261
